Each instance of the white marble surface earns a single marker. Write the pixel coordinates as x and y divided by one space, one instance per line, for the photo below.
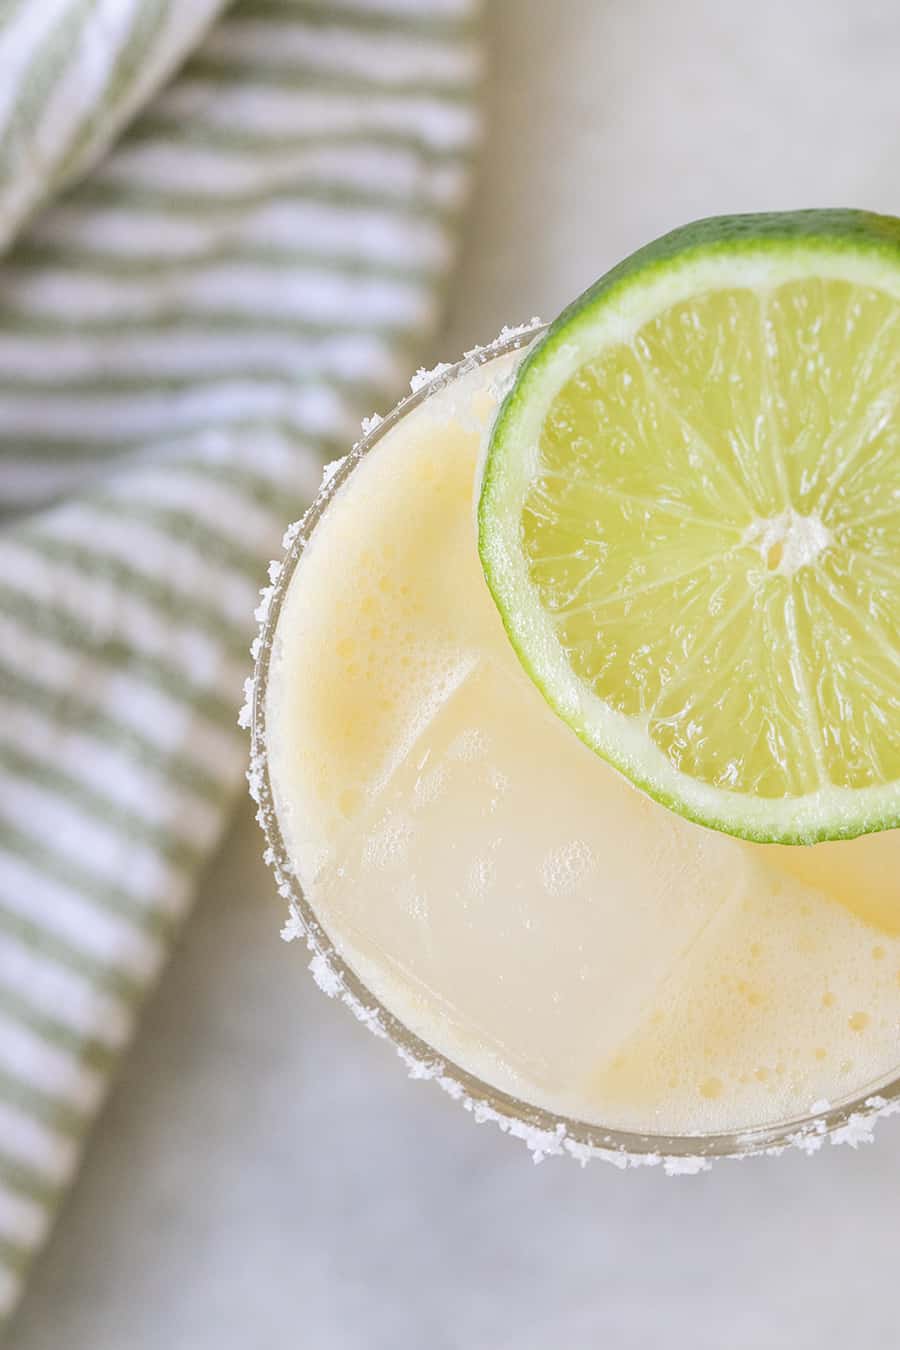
265 1175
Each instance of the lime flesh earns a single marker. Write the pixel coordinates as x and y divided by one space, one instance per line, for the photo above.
690 522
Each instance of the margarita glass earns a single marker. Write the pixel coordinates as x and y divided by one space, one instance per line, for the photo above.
567 957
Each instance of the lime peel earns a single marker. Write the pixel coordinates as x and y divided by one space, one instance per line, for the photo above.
686 518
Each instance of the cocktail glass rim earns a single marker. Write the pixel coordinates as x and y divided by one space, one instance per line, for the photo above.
544 1130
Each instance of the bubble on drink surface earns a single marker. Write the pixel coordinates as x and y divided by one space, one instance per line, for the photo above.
481 877
417 906
430 784
388 845
565 867
469 745
735 987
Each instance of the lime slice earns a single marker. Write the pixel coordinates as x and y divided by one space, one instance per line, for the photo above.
690 522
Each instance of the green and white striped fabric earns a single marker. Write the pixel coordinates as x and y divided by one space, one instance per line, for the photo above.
190 319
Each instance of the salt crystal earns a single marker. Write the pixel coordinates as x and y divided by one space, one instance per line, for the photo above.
246 712
510 331
859 1129
883 1107
615 1159
327 980
685 1167
808 1142
261 613
368 1016
293 927
424 376
370 423
331 469
255 780
419 1069
291 533
580 1152
644 1159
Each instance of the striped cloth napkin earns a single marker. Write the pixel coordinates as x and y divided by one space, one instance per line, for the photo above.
223 236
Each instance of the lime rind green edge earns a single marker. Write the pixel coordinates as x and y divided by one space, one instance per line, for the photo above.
805 237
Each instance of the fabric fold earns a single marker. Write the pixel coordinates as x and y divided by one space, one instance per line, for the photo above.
184 336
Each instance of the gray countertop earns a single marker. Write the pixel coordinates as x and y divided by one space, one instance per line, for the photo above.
265 1175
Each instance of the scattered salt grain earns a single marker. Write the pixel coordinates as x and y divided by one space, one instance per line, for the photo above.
859 1129
293 927
291 533
255 780
510 331
419 1069
246 712
809 1141
327 979
261 613
685 1167
330 469
452 1087
424 376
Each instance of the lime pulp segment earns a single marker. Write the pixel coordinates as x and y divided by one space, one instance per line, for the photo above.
690 521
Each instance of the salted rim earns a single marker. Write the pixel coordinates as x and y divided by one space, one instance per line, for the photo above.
850 1120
